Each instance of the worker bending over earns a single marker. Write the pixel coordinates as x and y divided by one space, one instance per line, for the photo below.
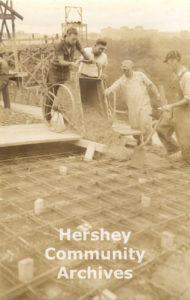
97 62
177 119
136 87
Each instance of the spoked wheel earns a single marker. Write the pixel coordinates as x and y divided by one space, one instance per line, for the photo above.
58 106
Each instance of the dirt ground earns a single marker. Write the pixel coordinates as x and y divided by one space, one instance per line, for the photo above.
10 117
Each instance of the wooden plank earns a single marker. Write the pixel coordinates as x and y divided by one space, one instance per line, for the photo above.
85 143
125 129
90 151
17 75
7 16
15 135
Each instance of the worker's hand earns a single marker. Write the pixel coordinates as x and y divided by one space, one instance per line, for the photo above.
78 61
104 76
89 61
74 65
86 61
167 107
106 92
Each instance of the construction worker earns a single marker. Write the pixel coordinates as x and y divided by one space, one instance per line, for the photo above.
176 117
4 80
59 71
136 87
96 57
93 90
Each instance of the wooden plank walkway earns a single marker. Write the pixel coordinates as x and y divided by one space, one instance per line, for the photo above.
33 134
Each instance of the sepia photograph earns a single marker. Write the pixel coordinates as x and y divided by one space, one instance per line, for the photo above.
94 150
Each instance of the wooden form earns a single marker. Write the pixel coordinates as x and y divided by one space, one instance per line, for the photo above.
35 63
31 60
16 135
91 148
125 129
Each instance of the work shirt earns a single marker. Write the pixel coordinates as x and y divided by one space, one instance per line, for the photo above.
184 80
181 114
135 91
101 60
179 86
57 72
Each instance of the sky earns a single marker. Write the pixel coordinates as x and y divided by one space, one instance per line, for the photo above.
46 16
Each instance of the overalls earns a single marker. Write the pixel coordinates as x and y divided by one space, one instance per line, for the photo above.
178 122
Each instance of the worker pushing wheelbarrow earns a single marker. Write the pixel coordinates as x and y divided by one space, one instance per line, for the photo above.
60 72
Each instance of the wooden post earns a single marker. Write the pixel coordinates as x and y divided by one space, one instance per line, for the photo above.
90 151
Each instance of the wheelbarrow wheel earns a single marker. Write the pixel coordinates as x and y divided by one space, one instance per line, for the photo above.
58 105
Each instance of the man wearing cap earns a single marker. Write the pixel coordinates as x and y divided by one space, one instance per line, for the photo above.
136 87
176 117
4 80
59 71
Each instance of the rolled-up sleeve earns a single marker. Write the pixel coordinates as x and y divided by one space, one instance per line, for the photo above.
114 87
79 46
146 80
185 86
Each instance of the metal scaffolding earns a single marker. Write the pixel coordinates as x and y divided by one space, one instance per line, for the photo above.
78 24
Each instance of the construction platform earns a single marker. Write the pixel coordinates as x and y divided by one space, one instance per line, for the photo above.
152 203
17 135
104 194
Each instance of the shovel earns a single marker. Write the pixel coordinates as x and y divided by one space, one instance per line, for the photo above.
138 158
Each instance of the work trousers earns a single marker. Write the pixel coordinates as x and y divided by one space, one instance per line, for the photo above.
165 131
52 92
4 81
53 80
179 124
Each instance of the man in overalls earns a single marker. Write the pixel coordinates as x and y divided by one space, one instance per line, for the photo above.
136 88
176 117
